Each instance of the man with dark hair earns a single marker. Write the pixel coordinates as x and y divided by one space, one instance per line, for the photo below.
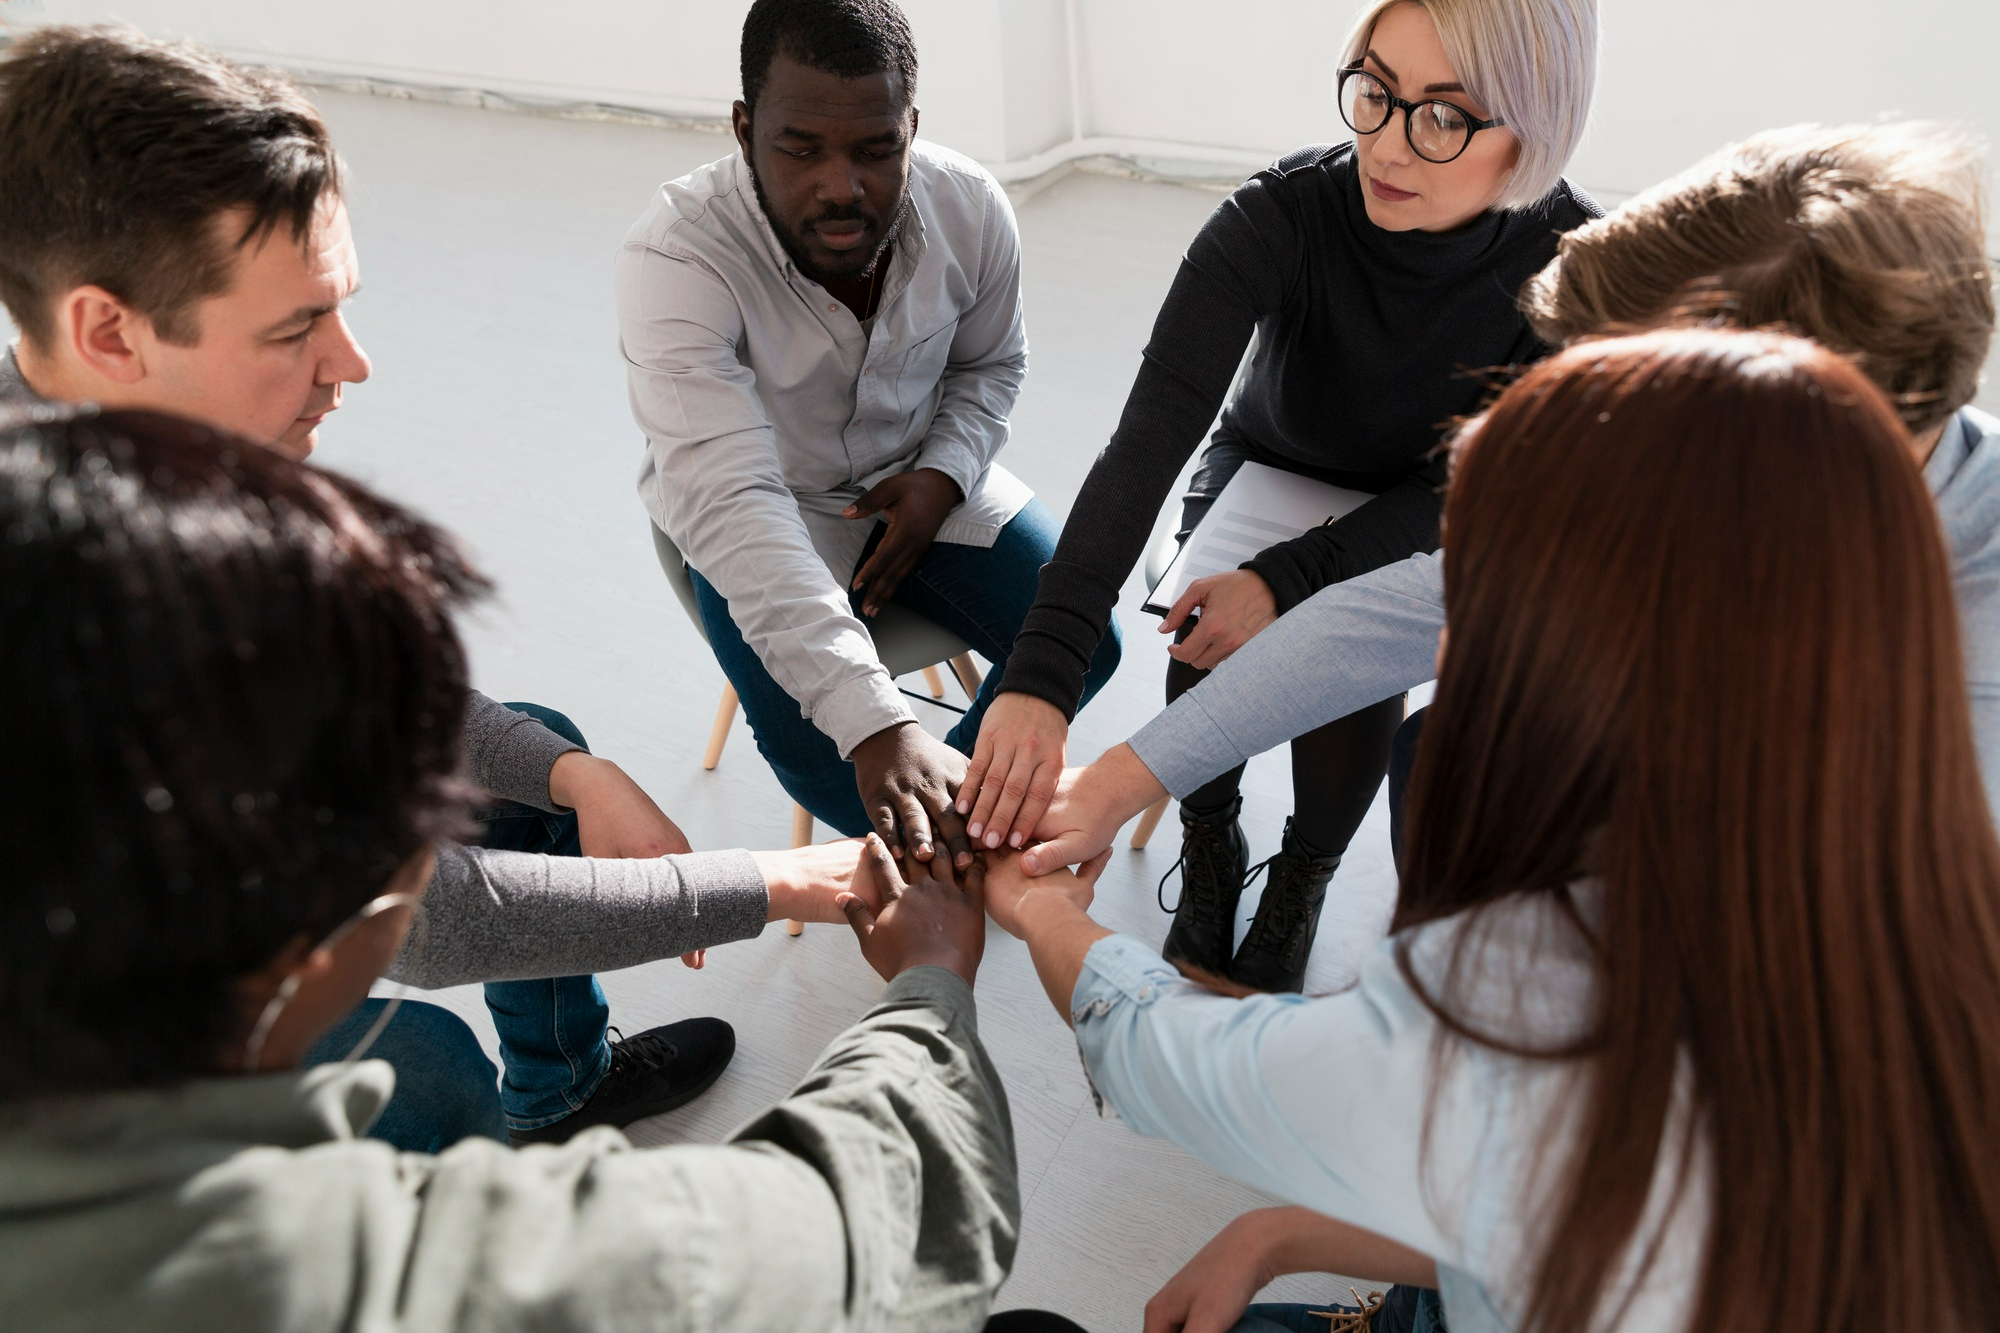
823 337
210 864
173 236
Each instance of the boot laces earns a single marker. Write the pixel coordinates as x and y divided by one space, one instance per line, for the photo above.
639 1053
1202 893
1282 909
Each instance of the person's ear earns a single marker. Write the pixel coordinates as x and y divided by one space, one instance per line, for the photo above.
739 121
916 116
102 334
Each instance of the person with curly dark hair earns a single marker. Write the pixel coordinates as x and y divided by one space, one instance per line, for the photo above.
223 811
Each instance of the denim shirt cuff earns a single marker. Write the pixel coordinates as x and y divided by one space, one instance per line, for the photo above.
1117 972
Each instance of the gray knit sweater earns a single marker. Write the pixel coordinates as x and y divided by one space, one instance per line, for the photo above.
511 916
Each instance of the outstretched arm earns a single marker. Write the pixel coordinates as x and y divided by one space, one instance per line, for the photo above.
1346 647
511 916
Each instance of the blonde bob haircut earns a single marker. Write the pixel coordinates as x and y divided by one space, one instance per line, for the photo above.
1533 63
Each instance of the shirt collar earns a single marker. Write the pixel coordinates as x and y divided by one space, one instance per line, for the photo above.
1954 446
14 388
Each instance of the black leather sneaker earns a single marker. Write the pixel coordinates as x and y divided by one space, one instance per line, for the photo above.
651 1072
1213 860
1280 939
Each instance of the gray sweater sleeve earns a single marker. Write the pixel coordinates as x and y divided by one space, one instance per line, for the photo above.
513 916
1344 648
509 753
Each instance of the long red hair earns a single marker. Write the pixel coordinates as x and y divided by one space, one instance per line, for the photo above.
1703 649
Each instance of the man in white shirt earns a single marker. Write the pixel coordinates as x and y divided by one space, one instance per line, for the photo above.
824 339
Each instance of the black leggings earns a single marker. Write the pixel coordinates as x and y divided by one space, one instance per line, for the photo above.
1336 768
1031 1321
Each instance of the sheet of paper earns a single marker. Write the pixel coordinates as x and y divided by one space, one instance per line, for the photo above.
1260 507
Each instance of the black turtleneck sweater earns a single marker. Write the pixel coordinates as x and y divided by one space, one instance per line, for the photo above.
1370 343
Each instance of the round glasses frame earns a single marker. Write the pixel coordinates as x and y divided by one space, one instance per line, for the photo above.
1409 109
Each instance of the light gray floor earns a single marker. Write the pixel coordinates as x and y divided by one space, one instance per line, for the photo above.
498 407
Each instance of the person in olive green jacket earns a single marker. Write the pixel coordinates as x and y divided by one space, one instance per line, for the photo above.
220 813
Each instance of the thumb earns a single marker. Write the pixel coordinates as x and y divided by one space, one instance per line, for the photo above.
1197 592
857 914
1091 869
1066 849
875 499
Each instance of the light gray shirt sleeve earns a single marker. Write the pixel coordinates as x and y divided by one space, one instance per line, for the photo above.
986 363
1346 647
514 916
731 509
510 754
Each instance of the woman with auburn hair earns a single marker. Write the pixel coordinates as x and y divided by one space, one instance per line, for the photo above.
1691 1018
1378 279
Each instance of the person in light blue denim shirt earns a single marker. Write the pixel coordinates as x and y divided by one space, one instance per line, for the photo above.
1870 240
1697 749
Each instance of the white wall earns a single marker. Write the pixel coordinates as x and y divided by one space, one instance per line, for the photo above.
1231 80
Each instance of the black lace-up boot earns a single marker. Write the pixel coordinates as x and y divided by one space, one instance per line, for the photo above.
1213 860
1280 940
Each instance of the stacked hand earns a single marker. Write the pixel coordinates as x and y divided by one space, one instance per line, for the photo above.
1014 770
926 915
807 883
1009 886
907 779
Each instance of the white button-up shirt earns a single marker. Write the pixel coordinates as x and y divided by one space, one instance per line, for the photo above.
768 408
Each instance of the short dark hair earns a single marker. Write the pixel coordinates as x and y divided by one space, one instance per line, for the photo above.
845 38
118 156
239 706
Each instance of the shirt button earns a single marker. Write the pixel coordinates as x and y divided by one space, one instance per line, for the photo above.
833 310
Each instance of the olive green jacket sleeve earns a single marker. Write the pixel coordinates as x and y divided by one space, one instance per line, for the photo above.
880 1195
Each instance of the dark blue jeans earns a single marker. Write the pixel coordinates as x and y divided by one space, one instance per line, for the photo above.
551 1031
1404 1310
444 1082
981 594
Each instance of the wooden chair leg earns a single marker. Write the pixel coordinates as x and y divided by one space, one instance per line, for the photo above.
718 736
1148 822
934 682
970 678
802 835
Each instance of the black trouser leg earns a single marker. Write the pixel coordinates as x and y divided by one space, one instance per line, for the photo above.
1336 770
1402 759
1031 1321
1216 793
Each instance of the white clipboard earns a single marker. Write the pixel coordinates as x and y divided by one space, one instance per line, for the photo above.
1260 507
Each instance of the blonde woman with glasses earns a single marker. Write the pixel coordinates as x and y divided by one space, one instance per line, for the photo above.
1378 278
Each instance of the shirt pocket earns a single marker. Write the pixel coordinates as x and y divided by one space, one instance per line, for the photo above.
923 367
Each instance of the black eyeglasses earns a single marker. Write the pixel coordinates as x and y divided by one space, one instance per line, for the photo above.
1438 131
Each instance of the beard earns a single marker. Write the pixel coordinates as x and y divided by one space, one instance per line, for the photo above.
793 239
